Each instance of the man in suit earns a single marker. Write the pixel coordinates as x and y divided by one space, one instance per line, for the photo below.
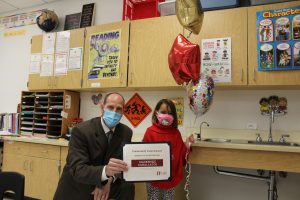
94 157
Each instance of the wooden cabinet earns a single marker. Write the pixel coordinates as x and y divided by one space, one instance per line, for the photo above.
73 78
228 23
150 43
48 113
266 78
40 164
94 67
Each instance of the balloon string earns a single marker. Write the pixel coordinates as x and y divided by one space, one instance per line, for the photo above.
188 170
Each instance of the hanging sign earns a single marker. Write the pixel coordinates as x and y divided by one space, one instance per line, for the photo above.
136 110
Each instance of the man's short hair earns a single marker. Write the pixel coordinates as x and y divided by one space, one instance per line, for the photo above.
107 95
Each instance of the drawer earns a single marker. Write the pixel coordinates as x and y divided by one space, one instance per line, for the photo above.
16 148
44 151
64 153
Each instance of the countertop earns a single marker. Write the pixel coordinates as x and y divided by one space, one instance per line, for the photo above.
238 137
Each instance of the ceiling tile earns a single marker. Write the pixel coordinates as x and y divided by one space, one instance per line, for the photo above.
4 7
25 4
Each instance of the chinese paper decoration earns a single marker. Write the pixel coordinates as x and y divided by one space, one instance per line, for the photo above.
136 110
277 35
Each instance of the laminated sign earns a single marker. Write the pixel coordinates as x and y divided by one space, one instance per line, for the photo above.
136 110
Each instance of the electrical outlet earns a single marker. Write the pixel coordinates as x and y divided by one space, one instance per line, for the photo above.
251 125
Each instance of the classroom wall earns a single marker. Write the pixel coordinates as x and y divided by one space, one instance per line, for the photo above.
230 109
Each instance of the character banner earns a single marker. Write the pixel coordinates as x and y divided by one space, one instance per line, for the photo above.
104 55
278 38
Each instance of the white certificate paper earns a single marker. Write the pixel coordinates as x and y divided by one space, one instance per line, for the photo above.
147 161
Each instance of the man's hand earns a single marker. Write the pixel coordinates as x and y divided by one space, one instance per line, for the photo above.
115 166
103 192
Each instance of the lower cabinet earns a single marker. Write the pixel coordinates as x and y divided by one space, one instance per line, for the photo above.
42 165
40 169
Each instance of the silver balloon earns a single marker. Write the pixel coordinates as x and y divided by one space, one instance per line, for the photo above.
200 95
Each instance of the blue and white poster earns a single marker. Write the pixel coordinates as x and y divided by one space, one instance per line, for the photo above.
278 38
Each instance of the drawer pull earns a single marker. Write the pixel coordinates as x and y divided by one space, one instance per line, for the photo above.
25 165
30 166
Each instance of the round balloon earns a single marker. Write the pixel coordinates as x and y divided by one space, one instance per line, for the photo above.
47 21
189 14
200 95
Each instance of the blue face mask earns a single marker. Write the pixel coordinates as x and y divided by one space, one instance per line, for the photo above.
111 118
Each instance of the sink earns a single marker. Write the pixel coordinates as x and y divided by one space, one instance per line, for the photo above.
274 143
217 140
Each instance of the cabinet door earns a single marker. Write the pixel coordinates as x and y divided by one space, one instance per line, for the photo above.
74 77
95 57
266 78
228 23
17 163
43 177
150 43
35 81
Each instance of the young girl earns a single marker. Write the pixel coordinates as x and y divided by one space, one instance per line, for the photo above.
164 129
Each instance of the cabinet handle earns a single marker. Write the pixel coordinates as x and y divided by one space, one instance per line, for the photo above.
121 80
49 81
25 165
30 166
242 75
59 168
131 77
254 76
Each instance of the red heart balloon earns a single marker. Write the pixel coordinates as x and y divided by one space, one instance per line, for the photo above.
184 60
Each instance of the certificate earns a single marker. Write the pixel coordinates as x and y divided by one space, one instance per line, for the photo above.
147 161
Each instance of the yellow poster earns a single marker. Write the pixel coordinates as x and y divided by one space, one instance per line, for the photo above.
179 104
104 55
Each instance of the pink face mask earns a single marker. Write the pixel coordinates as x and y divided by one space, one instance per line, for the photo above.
165 119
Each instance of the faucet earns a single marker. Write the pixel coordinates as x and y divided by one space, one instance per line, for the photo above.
272 109
199 134
282 139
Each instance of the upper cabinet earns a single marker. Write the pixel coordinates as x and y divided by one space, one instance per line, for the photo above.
106 56
150 43
266 78
228 23
70 80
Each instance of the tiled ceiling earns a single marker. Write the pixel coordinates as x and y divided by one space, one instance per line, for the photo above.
14 5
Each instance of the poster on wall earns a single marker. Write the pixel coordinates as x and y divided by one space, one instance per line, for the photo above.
104 55
179 104
216 58
136 110
18 20
277 35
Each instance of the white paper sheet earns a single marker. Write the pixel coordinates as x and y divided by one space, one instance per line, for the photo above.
62 42
147 161
47 65
61 66
75 58
35 63
216 58
48 43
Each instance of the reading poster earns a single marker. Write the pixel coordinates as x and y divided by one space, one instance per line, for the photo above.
104 55
278 37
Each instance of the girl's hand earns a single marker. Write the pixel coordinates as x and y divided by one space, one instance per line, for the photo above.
189 139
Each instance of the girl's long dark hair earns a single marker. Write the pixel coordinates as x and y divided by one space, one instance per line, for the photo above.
171 105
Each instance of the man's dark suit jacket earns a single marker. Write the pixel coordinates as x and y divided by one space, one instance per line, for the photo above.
88 153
